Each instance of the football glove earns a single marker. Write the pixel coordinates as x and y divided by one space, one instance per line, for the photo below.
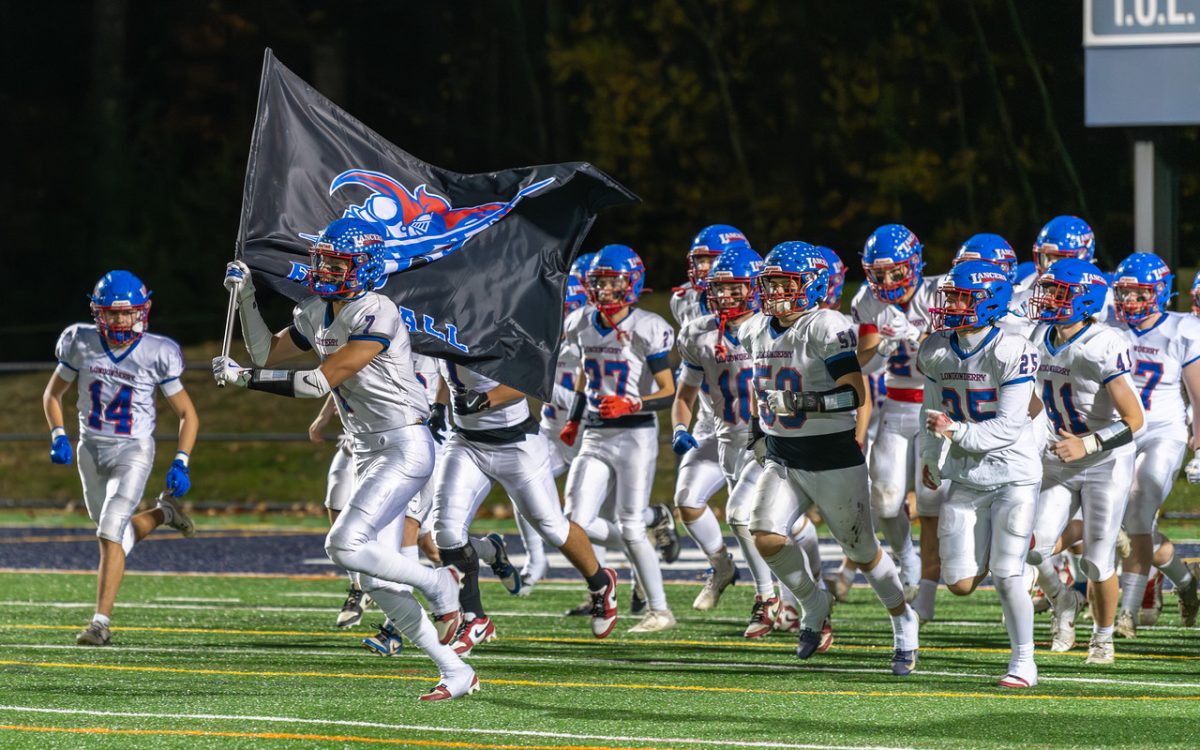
437 422
237 279
228 372
939 423
569 433
1192 470
758 443
470 402
60 446
682 442
612 407
783 403
931 476
178 481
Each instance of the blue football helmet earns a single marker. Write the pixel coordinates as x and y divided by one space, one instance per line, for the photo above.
576 292
1196 294
1064 237
794 278
1143 285
837 277
734 274
973 294
1069 291
994 249
120 307
707 246
615 278
893 263
347 260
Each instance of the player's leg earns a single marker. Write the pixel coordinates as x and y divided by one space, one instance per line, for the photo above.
842 497
1012 511
1185 577
929 504
889 473
700 477
1104 495
633 454
1057 500
339 487
1157 463
737 515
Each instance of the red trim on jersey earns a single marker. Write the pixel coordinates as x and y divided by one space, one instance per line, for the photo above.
865 328
907 395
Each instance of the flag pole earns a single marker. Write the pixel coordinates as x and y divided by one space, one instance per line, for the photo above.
227 342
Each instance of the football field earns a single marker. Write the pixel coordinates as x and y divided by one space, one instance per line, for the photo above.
243 660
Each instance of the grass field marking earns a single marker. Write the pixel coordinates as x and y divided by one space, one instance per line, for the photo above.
177 573
500 658
209 599
307 737
740 644
456 730
215 534
608 685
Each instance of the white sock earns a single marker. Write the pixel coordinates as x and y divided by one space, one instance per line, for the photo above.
791 565
1048 578
100 619
926 597
645 558
808 542
1133 588
787 597
905 630
409 618
355 579
706 532
764 584
168 513
535 548
1017 607
897 532
1177 571
1102 633
885 580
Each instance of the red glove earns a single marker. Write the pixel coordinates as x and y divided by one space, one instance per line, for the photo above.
569 433
612 407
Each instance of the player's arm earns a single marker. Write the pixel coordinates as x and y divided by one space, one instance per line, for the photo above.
849 391
684 404
868 344
1012 414
1129 409
285 346
178 479
862 417
343 364
322 419
60 444
1191 383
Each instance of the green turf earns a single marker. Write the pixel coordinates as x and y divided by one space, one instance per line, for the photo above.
545 674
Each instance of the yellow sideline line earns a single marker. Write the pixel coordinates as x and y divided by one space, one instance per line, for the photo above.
611 686
585 641
308 737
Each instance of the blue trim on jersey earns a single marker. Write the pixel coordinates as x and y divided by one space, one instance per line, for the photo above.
117 360
655 357
1162 318
603 329
839 356
1015 381
367 337
64 364
690 366
168 380
1055 350
731 338
967 355
1185 364
328 314
931 380
1115 375
703 303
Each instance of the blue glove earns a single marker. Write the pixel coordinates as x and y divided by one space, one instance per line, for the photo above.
60 449
178 481
683 441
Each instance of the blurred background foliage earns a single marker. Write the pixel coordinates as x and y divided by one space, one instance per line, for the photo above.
128 124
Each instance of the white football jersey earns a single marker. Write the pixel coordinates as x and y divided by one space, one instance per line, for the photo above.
619 365
383 395
966 385
116 386
566 369
426 370
459 378
1159 356
1071 380
729 381
871 314
797 359
687 304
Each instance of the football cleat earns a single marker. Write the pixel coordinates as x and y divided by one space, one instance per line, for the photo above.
1062 627
715 584
666 538
1189 602
473 633
838 586
904 662
504 569
1126 625
385 643
443 692
826 636
450 620
1152 602
787 620
178 519
1040 602
604 606
352 609
1016 681
762 616
637 600
655 621
1100 652
94 634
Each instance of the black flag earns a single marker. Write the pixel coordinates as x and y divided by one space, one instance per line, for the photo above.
477 262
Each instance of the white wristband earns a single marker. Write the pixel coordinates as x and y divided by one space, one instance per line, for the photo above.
182 457
1091 443
57 432
679 426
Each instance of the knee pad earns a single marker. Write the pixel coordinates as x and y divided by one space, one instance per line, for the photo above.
554 530
114 528
886 499
1095 570
632 531
446 538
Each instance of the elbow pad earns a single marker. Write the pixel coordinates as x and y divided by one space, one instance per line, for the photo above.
842 398
1106 438
290 383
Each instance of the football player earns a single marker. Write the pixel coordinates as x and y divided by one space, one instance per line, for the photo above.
807 384
892 312
365 355
1166 358
980 437
119 367
1092 414
625 380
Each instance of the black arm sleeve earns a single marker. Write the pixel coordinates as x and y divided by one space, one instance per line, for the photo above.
279 382
842 398
658 364
1115 435
658 404
843 366
577 407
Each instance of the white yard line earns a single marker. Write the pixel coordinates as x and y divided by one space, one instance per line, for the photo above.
452 730
213 600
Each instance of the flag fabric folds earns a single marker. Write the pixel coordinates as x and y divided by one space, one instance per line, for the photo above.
477 263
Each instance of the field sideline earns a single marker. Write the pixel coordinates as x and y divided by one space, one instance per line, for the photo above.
253 661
